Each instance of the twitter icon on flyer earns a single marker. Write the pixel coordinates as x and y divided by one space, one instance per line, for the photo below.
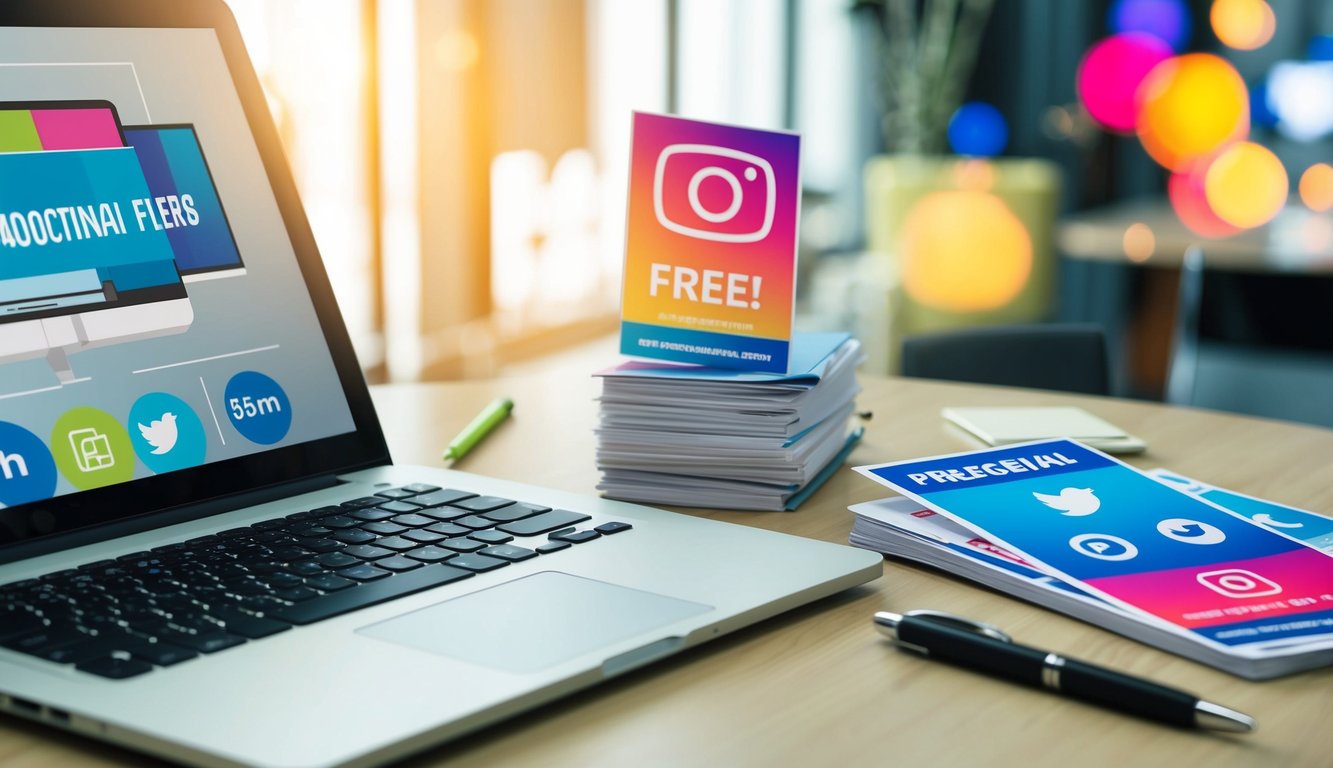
166 432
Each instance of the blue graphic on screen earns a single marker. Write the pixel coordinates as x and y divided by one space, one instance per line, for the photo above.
79 226
174 166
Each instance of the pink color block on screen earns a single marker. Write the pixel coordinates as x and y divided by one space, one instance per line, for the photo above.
77 128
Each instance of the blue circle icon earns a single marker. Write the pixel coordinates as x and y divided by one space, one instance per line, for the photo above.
27 469
258 407
1104 546
166 433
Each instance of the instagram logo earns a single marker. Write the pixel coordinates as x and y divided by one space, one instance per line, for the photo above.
714 193
1238 583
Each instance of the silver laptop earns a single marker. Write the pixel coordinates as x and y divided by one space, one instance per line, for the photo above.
205 551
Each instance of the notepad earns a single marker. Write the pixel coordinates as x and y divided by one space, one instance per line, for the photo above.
1004 426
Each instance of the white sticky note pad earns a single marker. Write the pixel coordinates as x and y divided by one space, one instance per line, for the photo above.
1005 425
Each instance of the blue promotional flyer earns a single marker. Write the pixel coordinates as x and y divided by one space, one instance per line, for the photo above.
1133 540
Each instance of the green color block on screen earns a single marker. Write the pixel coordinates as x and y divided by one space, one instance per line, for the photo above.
17 131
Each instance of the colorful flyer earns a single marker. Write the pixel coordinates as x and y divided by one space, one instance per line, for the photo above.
1315 530
710 244
1142 544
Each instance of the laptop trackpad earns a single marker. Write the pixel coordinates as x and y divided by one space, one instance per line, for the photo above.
533 623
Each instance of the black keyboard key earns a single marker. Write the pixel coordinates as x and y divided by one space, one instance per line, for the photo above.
416 488
384 528
544 523
306 568
161 654
427 537
269 525
329 583
115 668
87 649
368 552
462 545
203 642
16 622
45 639
444 514
295 594
372 514
553 546
491 537
353 536
363 572
576 537
396 493
283 581
483 503
364 501
448 529
288 554
337 560
414 521
398 564
430 554
338 522
323 546
367 595
607 529
243 624
508 552
439 498
474 522
397 543
476 562
399 507
516 511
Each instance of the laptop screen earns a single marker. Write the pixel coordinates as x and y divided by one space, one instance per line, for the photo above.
156 322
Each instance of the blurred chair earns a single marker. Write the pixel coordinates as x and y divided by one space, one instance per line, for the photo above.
1253 342
1066 357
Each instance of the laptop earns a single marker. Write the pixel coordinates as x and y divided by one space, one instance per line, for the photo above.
205 551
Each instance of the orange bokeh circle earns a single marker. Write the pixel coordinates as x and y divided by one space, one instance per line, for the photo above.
1246 185
964 251
1191 107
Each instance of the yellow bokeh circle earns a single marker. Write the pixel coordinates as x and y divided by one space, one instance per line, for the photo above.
1246 185
1243 24
964 251
1317 187
1191 107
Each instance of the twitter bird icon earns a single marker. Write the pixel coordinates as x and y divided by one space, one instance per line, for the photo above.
161 433
1072 502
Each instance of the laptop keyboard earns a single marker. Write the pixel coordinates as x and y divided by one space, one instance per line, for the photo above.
125 617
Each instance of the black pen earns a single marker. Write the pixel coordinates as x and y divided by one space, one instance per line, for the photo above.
985 648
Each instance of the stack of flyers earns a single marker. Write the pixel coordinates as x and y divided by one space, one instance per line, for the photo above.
1228 580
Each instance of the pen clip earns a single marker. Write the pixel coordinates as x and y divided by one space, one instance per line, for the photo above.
954 620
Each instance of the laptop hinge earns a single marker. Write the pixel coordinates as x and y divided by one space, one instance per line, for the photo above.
166 517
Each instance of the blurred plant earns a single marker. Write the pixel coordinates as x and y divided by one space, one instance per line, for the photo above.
927 53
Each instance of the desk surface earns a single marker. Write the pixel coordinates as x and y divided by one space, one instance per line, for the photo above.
818 686
1297 240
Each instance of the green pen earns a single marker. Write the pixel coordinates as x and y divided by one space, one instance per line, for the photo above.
489 418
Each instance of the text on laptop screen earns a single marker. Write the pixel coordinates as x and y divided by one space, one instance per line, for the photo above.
153 316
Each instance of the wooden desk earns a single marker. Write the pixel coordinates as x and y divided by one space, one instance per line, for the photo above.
818 686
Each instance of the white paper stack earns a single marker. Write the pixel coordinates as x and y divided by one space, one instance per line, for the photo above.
695 436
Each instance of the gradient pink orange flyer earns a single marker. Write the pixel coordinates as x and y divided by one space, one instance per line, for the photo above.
710 245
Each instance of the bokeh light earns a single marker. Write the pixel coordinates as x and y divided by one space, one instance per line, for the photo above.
1185 191
964 251
1320 48
1317 187
974 175
1112 71
1246 185
978 129
1167 20
1190 107
1139 242
1243 24
1261 114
